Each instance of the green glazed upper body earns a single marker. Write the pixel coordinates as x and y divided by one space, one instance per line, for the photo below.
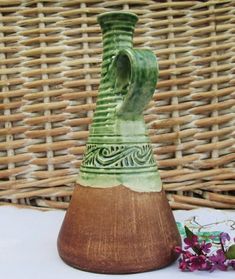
118 151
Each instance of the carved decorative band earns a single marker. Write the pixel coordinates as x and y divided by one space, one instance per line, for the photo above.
118 156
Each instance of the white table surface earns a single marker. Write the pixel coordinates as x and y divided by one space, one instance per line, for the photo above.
28 246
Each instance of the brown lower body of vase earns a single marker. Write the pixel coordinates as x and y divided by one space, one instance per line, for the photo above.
117 230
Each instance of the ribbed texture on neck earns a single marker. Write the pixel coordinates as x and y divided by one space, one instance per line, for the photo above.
117 29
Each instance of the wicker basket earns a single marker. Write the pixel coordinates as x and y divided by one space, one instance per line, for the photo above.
50 69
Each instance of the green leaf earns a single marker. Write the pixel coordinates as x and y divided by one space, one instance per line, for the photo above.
190 234
230 253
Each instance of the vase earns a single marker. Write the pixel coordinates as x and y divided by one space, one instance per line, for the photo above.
119 219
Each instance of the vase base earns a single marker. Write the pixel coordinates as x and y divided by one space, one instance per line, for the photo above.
117 231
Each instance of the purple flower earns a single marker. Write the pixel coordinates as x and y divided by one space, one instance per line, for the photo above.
183 265
232 264
218 261
198 263
224 237
178 250
205 247
184 262
187 255
191 241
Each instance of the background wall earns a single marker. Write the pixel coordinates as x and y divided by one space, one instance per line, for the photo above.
50 57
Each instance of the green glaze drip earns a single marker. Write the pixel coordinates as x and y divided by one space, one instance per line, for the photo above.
118 150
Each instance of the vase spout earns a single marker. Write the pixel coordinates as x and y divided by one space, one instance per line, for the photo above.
117 30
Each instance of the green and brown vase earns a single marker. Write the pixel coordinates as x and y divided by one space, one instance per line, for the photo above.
119 220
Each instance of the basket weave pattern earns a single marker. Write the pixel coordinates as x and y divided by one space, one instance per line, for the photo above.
50 58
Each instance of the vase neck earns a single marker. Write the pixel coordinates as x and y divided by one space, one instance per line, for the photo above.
117 29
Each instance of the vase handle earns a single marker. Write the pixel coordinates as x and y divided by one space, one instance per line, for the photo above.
134 75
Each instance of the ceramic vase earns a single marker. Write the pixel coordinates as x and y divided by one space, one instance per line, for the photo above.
119 220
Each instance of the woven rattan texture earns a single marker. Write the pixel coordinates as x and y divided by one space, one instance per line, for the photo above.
50 58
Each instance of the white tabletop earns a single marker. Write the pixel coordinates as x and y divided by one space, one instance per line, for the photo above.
28 245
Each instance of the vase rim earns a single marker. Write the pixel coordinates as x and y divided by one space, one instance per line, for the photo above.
116 13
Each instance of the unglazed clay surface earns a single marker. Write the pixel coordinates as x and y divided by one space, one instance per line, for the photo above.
117 230
118 151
